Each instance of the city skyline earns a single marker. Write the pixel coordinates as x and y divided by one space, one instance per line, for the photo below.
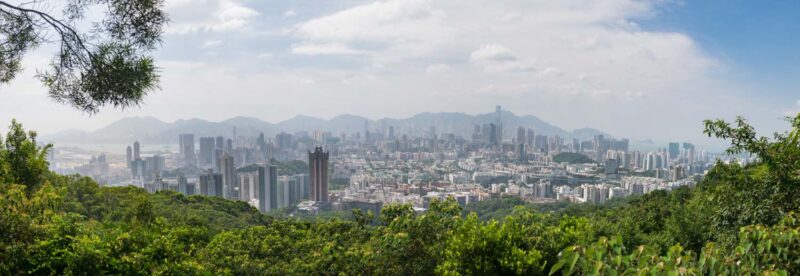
637 69
155 131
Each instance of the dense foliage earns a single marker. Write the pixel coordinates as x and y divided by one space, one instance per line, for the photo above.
738 220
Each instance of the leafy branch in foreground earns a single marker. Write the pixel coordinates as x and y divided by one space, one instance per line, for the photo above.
109 64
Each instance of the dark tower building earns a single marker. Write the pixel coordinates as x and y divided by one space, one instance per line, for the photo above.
318 164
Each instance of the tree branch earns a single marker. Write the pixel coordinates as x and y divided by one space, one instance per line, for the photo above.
63 29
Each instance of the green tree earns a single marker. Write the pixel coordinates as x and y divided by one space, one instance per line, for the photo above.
758 193
22 160
109 64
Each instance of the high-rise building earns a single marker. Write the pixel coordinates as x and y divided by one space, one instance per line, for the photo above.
267 188
261 143
186 145
302 185
206 157
211 184
391 132
522 155
283 140
154 165
674 150
499 125
318 165
520 135
228 171
489 133
219 144
248 183
128 156
530 136
182 184
229 145
136 153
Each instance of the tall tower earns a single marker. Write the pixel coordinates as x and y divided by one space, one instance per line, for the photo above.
206 151
128 156
136 155
186 142
267 188
318 165
228 175
499 125
182 183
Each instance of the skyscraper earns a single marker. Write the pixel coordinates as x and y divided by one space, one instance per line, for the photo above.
283 140
128 156
220 144
499 125
186 143
136 155
229 145
492 134
206 157
318 165
674 150
182 183
522 155
521 135
267 188
228 171
211 184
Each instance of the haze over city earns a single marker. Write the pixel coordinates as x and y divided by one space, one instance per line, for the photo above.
637 69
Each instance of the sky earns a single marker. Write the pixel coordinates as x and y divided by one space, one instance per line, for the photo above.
638 69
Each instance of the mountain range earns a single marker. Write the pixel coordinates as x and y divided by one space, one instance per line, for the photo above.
154 131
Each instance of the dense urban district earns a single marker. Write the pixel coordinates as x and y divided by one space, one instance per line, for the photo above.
312 171
386 202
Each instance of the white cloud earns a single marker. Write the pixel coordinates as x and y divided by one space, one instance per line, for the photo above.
289 13
324 49
404 28
496 58
189 16
211 43
437 69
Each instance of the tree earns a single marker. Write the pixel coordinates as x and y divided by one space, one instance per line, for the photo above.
758 193
22 161
109 64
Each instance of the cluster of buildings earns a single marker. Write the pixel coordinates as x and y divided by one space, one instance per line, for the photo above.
370 168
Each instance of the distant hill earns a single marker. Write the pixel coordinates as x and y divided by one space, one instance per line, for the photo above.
572 158
152 130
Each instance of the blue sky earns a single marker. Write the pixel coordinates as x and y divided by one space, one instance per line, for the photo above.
759 39
638 69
